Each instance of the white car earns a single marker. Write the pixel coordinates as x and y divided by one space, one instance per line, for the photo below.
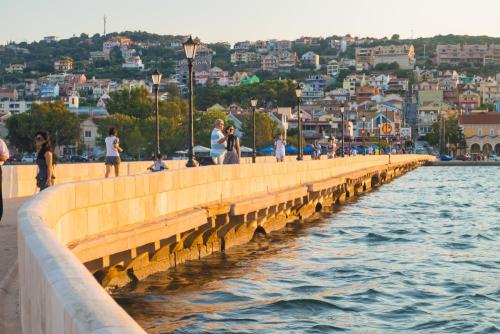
28 158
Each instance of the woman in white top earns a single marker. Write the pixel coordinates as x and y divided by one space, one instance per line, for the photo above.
113 150
279 149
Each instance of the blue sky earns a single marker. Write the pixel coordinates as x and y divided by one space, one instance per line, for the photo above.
232 20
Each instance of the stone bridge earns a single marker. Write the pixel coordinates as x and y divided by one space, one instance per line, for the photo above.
78 237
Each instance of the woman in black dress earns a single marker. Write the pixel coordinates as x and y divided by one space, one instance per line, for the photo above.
233 147
44 160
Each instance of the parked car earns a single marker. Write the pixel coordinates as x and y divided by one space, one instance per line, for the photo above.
445 157
462 157
494 158
28 158
77 158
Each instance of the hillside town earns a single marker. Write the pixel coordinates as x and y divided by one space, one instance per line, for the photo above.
355 91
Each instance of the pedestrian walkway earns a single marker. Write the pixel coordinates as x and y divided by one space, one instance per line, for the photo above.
9 289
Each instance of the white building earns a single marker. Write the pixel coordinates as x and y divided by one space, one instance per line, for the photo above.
310 59
333 68
133 62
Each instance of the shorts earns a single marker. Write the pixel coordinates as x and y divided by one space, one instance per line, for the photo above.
112 161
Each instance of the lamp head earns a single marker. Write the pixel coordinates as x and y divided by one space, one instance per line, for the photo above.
190 47
298 90
156 77
253 102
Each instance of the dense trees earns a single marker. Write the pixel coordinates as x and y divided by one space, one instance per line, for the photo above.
132 114
269 93
266 128
62 125
453 133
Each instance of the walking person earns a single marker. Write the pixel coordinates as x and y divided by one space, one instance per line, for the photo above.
113 150
4 156
232 156
279 149
44 161
332 147
318 150
217 140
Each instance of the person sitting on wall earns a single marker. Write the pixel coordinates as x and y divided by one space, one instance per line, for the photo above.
158 164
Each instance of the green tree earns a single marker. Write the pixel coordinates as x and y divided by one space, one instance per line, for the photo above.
134 102
267 130
395 37
62 125
136 142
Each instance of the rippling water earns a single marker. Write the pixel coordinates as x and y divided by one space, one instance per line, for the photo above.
421 254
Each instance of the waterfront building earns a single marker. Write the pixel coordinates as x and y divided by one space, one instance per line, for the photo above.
482 132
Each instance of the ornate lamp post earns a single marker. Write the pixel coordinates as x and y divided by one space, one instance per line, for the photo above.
342 113
253 102
190 47
298 93
363 118
156 76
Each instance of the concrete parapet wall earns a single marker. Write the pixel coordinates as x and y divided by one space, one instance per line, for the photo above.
19 180
59 295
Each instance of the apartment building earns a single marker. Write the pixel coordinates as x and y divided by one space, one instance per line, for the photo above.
489 92
270 63
364 57
244 57
63 65
403 55
478 54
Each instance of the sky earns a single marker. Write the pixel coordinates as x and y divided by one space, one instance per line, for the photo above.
236 20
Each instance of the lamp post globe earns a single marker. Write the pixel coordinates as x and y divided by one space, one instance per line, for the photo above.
253 103
156 77
190 48
298 93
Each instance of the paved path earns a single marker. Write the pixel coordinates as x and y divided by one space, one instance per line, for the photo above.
9 289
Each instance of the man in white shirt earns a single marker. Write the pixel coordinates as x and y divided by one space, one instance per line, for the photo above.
4 156
113 150
217 140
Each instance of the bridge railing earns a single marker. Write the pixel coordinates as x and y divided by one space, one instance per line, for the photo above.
19 180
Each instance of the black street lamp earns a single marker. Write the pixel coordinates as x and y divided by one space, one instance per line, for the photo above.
190 47
342 113
380 138
386 130
298 93
253 102
156 76
363 118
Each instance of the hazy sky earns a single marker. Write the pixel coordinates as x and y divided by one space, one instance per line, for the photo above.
233 20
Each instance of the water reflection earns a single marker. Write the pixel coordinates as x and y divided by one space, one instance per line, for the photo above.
419 255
